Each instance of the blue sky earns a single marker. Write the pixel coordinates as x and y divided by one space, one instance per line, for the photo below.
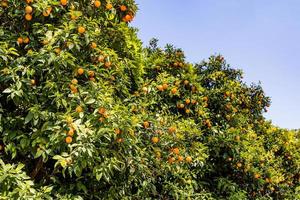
260 37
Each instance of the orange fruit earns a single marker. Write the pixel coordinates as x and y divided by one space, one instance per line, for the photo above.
57 50
155 140
28 9
71 132
78 109
28 17
29 1
180 158
107 64
165 86
187 101
20 40
174 90
120 140
180 64
188 159
187 111
205 98
101 111
160 87
74 91
68 140
145 89
176 151
172 129
109 6
26 40
239 165
146 124
97 4
185 82
32 81
194 101
237 138
127 18
81 29
91 73
171 160
118 131
63 2
256 176
123 8
74 81
181 105
101 58
93 45
47 12
4 4
80 71
72 87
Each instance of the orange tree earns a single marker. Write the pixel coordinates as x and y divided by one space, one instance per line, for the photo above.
87 113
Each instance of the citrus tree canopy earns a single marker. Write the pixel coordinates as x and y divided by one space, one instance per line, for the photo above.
87 112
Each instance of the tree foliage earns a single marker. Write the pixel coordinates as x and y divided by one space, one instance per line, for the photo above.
87 112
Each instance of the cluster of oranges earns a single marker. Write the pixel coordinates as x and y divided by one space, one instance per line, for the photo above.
73 85
70 130
23 40
176 157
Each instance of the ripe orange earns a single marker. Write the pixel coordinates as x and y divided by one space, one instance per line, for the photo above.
237 138
32 81
28 17
91 73
160 87
205 98
101 111
107 64
123 8
4 4
165 86
188 159
26 40
78 109
171 160
118 131
128 18
109 6
71 132
172 129
72 87
187 101
101 58
20 40
63 2
80 71
180 64
175 64
57 50
174 90
93 45
180 158
194 101
239 165
47 12
186 82
145 89
68 140
256 176
176 151
29 1
146 124
187 111
155 140
81 29
120 140
28 9
74 91
181 105
97 4
74 81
